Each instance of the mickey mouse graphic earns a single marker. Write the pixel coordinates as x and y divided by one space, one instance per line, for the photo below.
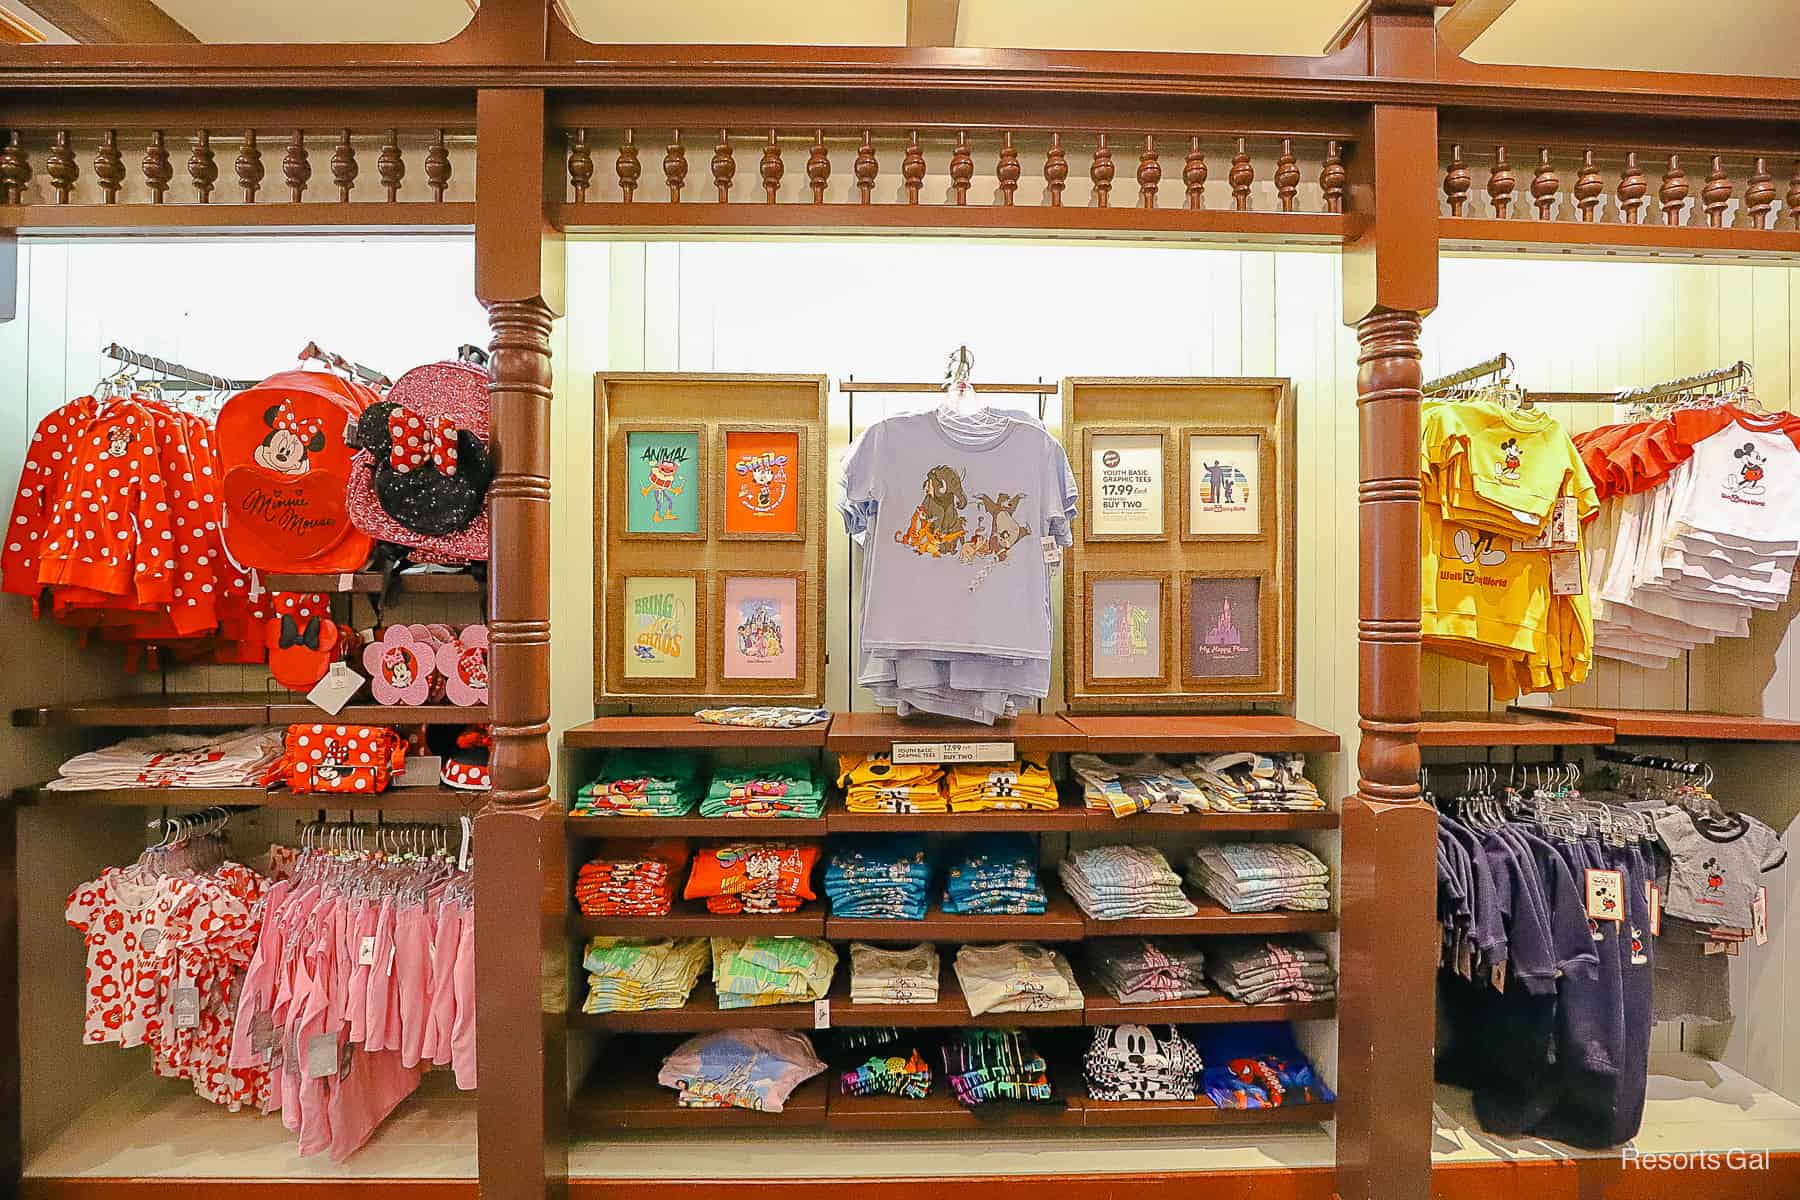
1715 878
290 440
1751 464
1511 459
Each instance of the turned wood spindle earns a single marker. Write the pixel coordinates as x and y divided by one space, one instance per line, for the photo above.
1008 170
1673 193
1632 189
866 168
1101 172
1193 175
581 165
675 167
1241 176
296 166
1457 182
1589 187
15 168
1287 176
437 168
771 168
1149 173
158 171
1544 186
724 166
962 168
1715 194
1056 170
627 167
61 166
109 168
343 167
202 167
912 167
1333 178
390 166
1501 183
818 167
1793 196
1759 196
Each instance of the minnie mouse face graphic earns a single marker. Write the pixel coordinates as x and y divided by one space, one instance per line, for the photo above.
397 667
290 440
118 442
1750 469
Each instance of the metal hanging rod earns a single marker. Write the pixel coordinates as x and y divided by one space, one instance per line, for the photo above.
851 386
1655 762
369 375
1653 393
1493 366
169 370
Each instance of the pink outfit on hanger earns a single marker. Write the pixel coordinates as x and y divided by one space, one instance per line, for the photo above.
356 999
412 980
372 1087
442 1019
376 1035
258 994
462 1036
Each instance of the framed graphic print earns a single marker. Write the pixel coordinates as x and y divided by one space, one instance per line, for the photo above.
1223 628
762 469
661 627
1127 623
664 477
1223 483
761 635
1127 484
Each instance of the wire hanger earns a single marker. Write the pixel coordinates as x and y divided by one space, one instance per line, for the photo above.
957 390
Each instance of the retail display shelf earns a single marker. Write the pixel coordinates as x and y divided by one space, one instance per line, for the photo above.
701 1012
299 711
164 710
1514 727
878 732
940 1110
1210 822
411 799
1201 734
1060 921
1211 919
370 583
761 828
949 1010
690 918
625 1095
1113 1113
1103 1009
1068 817
685 733
1675 726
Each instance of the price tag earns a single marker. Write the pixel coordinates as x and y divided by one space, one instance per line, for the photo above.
953 752
1605 895
365 953
1565 573
262 1036
334 691
346 581
1052 551
393 951
321 1056
1497 976
1565 526
1655 911
1759 916
821 1014
184 1006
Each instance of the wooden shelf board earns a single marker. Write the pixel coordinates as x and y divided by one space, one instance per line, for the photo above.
225 709
690 918
1210 822
1514 727
940 1110
701 1012
1204 734
1602 237
1070 817
412 799
301 712
1103 1009
876 732
685 733
1670 726
370 582
707 827
1211 919
625 1095
1061 921
1116 1113
949 1010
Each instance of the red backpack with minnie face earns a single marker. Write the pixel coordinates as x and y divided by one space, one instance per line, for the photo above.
285 466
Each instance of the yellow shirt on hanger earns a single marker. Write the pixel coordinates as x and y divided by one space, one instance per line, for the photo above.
1502 469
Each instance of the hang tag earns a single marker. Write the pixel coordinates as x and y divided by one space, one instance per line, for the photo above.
1565 573
346 581
262 1036
1655 911
365 953
184 1006
321 1056
1605 895
822 1014
392 952
1539 541
1759 916
1716 947
468 837
1052 551
334 691
1564 525
1497 976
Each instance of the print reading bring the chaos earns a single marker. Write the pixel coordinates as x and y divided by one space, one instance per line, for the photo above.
939 529
657 621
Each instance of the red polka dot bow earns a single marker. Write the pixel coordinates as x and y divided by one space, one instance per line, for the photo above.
292 422
413 438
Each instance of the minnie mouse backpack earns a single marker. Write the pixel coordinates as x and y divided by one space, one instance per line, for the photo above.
422 469
285 466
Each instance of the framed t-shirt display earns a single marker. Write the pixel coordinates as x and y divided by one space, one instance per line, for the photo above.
709 540
1179 587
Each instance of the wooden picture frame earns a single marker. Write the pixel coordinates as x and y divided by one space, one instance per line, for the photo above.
1265 632
1091 499
619 678
728 483
802 625
1264 487
619 456
1092 614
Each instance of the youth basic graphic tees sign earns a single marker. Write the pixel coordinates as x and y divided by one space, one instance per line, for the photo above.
954 514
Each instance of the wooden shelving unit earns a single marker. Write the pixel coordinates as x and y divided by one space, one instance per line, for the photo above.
1202 734
1068 817
1210 822
686 733
1060 921
769 828
1213 919
701 1011
949 1010
1662 726
1514 727
877 732
220 710
410 799
369 583
1102 1009
623 1094
690 918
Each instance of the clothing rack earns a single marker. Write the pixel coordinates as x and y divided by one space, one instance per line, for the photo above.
1653 394
850 386
313 352
1501 363
200 380
1654 762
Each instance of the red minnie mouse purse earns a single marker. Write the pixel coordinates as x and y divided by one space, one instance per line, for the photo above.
341 759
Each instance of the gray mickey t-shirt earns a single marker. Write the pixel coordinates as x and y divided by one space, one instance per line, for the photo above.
1713 866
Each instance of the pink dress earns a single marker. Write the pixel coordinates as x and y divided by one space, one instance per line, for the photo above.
412 980
375 998
443 984
462 1034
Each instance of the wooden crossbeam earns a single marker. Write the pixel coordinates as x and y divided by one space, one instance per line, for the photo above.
931 22
1468 20
96 22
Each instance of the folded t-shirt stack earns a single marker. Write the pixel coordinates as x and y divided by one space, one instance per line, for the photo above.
878 876
879 975
1255 970
1016 977
749 972
642 783
1114 882
246 758
985 1065
630 878
880 1062
783 789
635 974
1025 784
1137 1062
1146 970
994 873
739 1068
1146 784
755 877
1261 876
1255 783
874 783
1256 1065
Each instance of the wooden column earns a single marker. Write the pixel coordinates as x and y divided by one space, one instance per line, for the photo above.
520 947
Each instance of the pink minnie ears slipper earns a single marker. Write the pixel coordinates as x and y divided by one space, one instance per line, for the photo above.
464 665
400 668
